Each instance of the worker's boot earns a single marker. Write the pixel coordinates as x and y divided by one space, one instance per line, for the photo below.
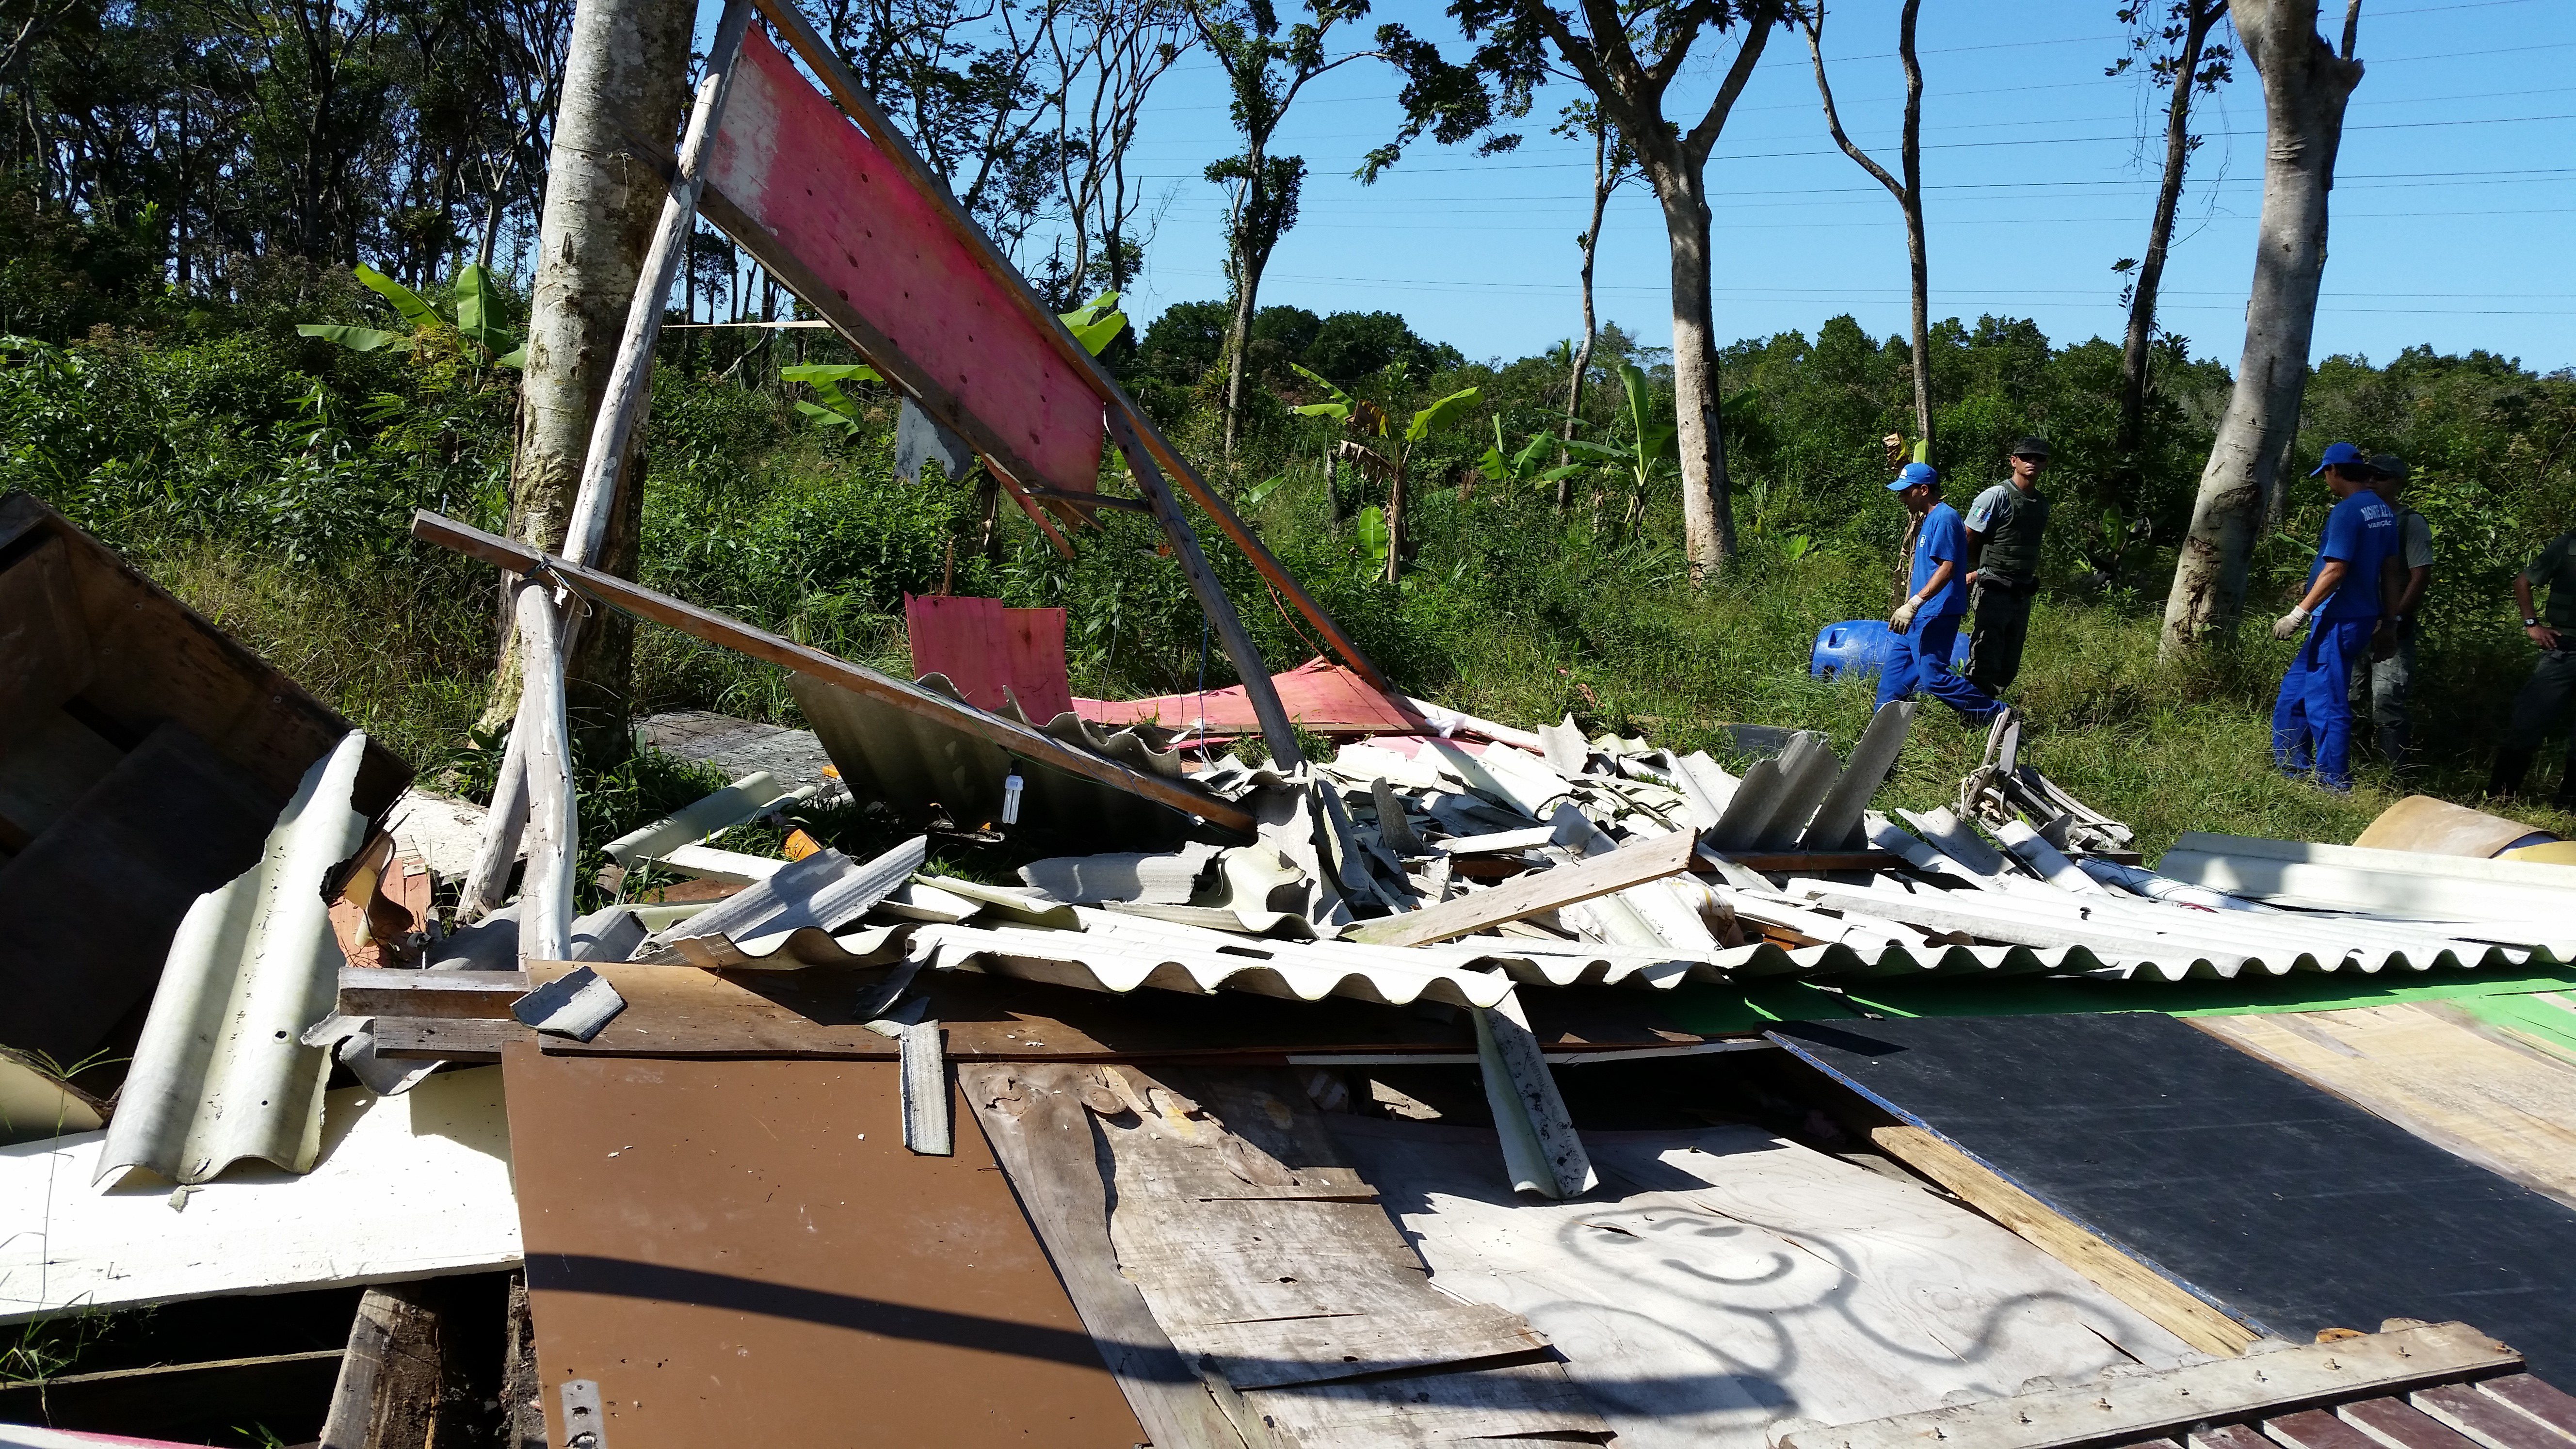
2510 767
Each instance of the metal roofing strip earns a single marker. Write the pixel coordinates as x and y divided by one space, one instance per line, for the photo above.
1953 838
2337 886
1108 962
221 1072
2357 938
1808 771
2406 862
1838 820
825 890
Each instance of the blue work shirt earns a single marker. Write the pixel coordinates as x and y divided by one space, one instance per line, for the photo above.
2362 532
1942 539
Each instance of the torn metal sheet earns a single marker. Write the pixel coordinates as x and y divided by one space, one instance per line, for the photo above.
744 799
1148 878
2358 878
928 1127
577 1004
221 1073
919 439
912 760
824 891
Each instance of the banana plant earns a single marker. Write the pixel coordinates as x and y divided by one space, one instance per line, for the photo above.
475 319
1366 418
1095 324
1529 465
1650 455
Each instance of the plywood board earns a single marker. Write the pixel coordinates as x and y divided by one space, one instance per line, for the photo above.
743 1252
407 1187
2507 1108
1728 1280
2291 1209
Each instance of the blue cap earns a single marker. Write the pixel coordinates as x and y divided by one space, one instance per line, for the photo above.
2340 453
1913 473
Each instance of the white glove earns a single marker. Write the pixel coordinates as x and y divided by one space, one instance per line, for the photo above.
2289 624
1903 619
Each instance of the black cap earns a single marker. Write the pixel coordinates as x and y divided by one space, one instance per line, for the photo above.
2036 447
2388 468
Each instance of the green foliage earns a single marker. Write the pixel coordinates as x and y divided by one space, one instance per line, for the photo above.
476 316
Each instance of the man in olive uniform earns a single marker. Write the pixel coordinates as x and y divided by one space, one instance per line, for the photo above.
2004 526
2380 686
2553 680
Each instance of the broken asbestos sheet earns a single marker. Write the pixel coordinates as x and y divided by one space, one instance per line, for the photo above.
404 1187
1732 1280
222 1072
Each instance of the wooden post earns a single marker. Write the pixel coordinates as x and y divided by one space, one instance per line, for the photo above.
392 1378
527 789
1275 728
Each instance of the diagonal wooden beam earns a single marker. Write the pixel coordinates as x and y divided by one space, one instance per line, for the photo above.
742 638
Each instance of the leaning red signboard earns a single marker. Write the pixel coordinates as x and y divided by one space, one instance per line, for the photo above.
820 204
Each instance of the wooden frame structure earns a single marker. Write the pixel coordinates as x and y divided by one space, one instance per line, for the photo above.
534 789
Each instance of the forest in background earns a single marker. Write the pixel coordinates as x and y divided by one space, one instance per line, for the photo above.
187 182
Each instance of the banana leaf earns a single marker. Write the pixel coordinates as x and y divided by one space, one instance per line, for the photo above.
1096 323
1372 531
356 339
1442 414
406 301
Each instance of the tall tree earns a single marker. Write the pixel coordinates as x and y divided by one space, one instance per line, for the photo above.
1908 193
1108 54
2181 57
2306 85
1628 54
1264 70
625 76
1613 166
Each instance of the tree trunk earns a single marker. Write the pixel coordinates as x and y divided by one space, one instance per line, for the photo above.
1708 519
1908 194
2151 267
2305 89
1238 342
1601 188
1395 524
625 75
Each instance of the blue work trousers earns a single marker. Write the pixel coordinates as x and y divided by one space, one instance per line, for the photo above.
2312 720
1919 659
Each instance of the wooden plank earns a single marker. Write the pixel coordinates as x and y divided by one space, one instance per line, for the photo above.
284 1391
2245 1387
2508 1109
2173 1307
2316 1429
393 1377
1318 1350
2540 1402
2487 1422
1629 865
1041 1135
1247 1279
375 991
743 1252
760 644
2398 1425
475 1040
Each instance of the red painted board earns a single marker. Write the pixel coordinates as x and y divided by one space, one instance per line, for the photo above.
788 160
985 649
1034 640
1318 694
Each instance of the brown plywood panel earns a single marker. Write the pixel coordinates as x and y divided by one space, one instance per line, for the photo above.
44 644
742 1252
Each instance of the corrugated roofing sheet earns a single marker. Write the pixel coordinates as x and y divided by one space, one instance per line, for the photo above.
221 1072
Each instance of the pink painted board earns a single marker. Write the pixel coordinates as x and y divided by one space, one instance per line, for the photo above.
1318 694
790 161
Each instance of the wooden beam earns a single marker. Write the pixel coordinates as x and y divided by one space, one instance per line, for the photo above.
2128 1410
853 98
760 644
1258 688
393 1378
1537 891
2172 1307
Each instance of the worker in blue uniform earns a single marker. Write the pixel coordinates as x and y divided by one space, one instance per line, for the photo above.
2352 595
1924 629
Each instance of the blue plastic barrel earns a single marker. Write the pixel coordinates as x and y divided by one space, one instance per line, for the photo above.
1860 646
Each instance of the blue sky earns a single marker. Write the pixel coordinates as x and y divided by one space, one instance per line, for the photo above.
2457 184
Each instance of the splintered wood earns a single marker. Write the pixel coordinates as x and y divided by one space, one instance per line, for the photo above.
1266 1263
